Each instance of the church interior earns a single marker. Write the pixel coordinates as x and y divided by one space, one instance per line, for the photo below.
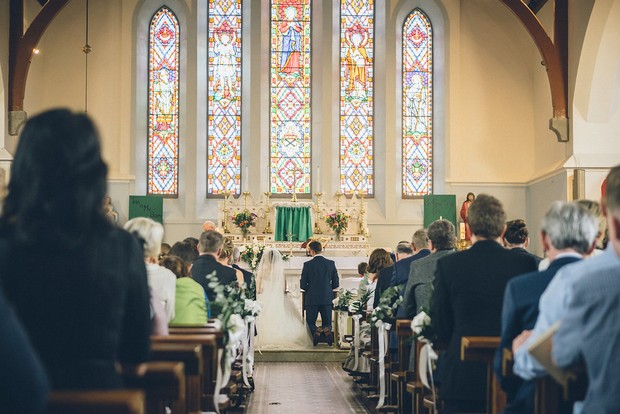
368 108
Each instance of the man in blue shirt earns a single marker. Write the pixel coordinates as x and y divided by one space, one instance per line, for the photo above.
590 329
568 233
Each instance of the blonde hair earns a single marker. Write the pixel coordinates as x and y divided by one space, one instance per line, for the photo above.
149 232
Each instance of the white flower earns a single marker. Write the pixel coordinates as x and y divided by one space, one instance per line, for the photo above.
354 306
252 307
235 324
419 322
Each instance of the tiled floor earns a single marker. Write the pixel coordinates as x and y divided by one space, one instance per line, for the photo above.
303 387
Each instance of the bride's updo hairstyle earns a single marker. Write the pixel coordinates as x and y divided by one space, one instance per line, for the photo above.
58 182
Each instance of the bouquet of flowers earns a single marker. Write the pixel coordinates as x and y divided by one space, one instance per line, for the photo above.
253 253
244 220
337 221
388 304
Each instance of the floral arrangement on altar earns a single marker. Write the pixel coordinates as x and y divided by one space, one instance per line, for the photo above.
253 253
337 221
244 220
388 304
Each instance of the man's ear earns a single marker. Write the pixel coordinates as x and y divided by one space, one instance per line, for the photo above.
546 241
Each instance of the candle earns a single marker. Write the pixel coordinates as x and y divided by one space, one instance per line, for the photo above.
246 177
294 180
462 231
318 178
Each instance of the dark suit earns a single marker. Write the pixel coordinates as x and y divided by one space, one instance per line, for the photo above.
520 312
521 250
248 277
467 301
319 278
403 267
206 264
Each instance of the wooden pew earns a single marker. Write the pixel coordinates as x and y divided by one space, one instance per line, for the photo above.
163 384
191 356
96 402
209 350
483 348
400 373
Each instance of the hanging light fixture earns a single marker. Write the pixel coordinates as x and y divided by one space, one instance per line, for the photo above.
86 49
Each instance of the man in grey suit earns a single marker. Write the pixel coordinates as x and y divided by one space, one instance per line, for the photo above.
422 273
589 332
319 278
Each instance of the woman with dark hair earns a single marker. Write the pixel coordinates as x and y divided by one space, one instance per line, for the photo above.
517 238
77 281
190 306
381 266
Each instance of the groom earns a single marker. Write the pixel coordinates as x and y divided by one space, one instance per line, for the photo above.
319 278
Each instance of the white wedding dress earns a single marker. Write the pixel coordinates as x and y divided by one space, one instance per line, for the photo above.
279 324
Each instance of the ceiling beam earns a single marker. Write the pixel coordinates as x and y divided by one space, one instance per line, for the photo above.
22 45
554 55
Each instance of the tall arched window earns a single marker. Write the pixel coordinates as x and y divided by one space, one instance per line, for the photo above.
224 111
290 143
417 78
163 104
356 96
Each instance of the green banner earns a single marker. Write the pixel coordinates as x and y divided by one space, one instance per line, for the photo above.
151 206
439 207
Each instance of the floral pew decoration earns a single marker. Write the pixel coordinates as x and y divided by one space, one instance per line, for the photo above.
423 331
355 304
237 320
382 317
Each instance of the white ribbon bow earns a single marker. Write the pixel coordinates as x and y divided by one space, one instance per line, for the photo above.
383 348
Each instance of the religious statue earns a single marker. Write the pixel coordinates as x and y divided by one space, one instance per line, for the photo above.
109 210
465 214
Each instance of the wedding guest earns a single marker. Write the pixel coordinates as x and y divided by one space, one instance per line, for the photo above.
554 302
362 268
23 381
517 238
404 260
186 252
161 280
417 295
568 233
380 267
210 245
467 301
225 258
590 332
595 209
77 281
164 250
194 242
248 277
190 305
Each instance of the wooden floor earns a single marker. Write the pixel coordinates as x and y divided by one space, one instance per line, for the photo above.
303 387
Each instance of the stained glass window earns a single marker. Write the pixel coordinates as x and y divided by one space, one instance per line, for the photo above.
417 105
290 142
356 96
224 112
163 123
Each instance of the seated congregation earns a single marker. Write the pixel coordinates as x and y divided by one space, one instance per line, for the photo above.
493 328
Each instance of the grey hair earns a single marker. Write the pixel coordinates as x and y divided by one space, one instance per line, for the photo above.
236 255
150 232
570 225
441 233
420 239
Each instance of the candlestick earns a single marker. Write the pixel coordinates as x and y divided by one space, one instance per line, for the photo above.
224 222
317 209
267 228
362 213
246 177
245 200
339 196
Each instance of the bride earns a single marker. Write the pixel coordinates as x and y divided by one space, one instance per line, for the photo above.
280 325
